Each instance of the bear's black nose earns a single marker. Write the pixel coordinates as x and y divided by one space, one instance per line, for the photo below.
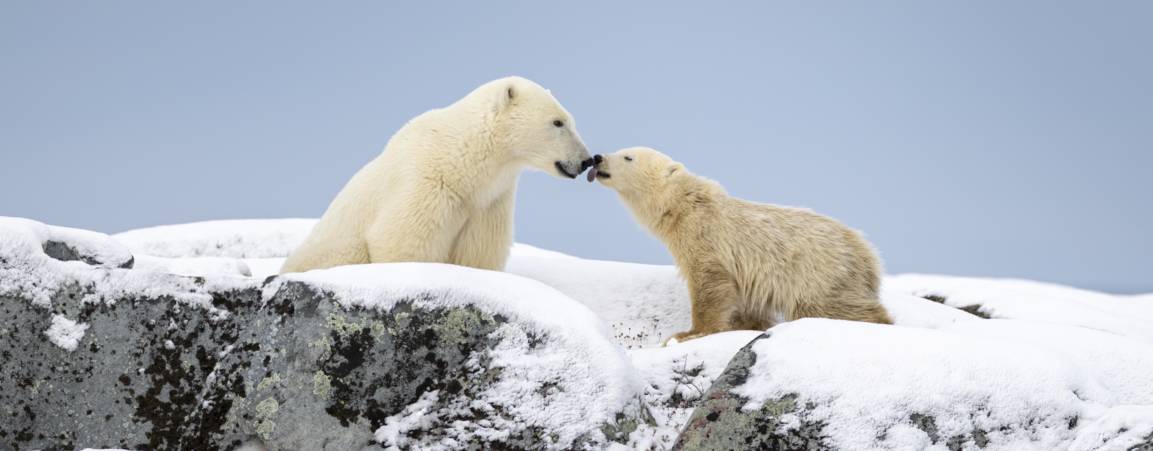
597 159
586 164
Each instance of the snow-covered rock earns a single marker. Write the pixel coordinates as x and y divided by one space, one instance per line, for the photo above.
981 383
181 336
405 356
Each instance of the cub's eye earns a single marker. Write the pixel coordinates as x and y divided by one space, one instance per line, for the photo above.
628 158
558 123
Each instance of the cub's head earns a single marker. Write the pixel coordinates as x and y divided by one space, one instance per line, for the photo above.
536 129
636 171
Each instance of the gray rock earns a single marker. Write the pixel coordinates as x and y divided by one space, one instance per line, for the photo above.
719 423
1145 445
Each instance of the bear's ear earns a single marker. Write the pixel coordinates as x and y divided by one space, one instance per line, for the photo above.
505 97
673 169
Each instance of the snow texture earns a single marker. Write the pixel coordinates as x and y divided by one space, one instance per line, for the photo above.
97 263
868 380
65 333
238 238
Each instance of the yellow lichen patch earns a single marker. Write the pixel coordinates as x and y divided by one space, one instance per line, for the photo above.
265 413
342 325
377 328
780 407
325 347
321 385
268 382
456 322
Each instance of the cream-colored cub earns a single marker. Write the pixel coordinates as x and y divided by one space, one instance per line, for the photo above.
748 265
443 189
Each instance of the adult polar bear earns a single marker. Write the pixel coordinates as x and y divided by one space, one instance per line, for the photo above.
444 187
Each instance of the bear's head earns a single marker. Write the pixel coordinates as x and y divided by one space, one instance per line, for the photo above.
536 130
636 171
657 189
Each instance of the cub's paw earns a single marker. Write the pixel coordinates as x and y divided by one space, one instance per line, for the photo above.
680 337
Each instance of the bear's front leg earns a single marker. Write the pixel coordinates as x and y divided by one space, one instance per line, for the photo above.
419 230
714 300
486 237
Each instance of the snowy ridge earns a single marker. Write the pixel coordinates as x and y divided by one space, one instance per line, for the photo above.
1131 316
235 238
26 270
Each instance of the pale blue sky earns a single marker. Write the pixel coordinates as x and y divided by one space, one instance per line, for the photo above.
1010 139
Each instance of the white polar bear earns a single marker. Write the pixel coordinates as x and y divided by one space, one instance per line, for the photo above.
444 187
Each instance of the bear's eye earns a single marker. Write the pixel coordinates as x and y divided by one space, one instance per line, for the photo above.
628 158
558 123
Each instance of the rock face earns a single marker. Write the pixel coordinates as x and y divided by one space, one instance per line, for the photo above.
191 363
719 422
822 384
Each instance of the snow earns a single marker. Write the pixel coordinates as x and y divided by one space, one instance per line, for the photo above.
86 242
27 272
65 333
642 303
867 379
194 266
1036 301
237 238
415 416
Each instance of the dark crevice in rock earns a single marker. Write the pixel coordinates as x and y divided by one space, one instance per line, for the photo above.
974 309
1145 445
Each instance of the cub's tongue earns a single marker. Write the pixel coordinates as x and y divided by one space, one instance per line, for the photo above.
592 174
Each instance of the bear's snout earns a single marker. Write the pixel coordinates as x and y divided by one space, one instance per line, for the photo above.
597 159
589 162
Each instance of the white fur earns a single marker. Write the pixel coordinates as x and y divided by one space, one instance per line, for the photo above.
444 187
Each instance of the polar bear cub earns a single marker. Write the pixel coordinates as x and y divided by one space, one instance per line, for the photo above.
444 187
748 265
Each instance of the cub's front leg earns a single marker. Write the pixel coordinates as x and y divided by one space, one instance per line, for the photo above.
714 301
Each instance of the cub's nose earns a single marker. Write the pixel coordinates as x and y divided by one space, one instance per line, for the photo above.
589 163
597 159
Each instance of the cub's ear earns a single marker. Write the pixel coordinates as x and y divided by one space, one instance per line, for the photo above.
505 97
673 169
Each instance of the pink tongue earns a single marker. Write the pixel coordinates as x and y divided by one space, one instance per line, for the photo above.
592 174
